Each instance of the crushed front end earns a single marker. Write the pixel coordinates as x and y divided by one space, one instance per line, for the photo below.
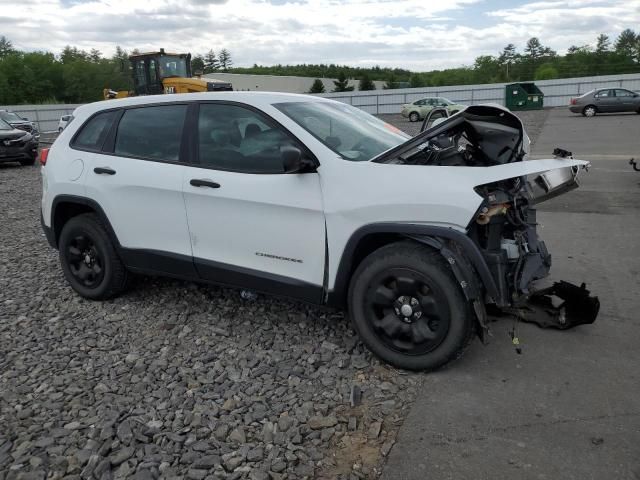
486 146
505 229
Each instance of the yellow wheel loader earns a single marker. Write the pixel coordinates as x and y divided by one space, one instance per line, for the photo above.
160 72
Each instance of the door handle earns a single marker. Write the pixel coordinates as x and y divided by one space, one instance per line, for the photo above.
105 170
196 182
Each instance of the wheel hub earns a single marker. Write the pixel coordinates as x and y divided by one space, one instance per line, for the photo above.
407 308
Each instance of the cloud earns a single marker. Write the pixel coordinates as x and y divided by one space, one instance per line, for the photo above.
403 33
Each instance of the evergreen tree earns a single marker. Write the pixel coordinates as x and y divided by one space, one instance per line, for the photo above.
533 49
224 57
121 54
211 63
627 43
6 47
95 55
603 44
317 86
366 83
342 83
197 64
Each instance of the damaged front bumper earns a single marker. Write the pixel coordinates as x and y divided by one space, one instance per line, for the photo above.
561 306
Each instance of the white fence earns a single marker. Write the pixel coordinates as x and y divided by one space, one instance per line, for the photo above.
45 116
557 93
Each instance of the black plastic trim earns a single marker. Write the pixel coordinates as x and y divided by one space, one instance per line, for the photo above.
337 296
157 262
234 276
48 232
95 206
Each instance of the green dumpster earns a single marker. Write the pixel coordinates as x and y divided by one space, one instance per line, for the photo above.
523 96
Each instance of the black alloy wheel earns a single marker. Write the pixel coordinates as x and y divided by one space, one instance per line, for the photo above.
408 308
407 311
89 259
86 262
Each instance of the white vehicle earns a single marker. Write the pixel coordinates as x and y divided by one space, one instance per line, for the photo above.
64 121
313 199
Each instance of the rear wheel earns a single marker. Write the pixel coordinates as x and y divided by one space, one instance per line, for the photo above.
589 111
414 117
408 308
89 260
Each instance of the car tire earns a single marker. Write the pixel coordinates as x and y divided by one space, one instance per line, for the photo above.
89 259
589 111
60 129
29 161
440 326
414 117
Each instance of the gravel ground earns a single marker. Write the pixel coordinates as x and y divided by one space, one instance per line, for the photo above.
179 380
175 379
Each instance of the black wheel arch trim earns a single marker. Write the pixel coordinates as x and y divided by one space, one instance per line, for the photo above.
337 296
78 200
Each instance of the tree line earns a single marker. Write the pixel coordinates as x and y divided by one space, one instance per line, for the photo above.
78 76
75 76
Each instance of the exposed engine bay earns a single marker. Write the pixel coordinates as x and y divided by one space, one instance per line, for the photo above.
505 226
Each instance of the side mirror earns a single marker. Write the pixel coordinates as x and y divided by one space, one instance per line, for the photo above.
294 162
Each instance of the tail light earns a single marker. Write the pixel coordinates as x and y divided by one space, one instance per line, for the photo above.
44 154
573 101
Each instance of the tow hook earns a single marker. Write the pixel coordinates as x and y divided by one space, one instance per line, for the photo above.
561 306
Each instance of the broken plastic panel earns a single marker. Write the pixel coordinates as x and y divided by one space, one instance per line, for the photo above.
561 306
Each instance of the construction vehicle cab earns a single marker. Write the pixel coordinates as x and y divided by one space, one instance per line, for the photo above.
160 72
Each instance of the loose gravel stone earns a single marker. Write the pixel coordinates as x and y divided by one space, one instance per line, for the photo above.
316 423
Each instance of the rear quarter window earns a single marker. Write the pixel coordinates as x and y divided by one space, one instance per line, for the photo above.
94 132
153 132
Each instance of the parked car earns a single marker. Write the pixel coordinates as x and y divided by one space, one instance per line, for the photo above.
606 100
434 117
313 199
20 123
17 145
417 110
64 121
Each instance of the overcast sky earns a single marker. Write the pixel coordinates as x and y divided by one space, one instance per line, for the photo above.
415 34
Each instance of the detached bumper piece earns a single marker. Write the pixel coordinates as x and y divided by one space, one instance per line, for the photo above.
561 306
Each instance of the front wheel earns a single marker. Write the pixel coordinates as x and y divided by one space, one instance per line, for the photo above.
414 117
89 260
408 308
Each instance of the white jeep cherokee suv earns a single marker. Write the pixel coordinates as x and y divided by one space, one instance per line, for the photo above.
312 199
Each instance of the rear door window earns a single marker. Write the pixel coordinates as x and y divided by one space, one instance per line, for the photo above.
93 134
153 133
623 93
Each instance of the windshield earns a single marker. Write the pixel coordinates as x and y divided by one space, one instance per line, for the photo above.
4 125
172 66
348 131
9 116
